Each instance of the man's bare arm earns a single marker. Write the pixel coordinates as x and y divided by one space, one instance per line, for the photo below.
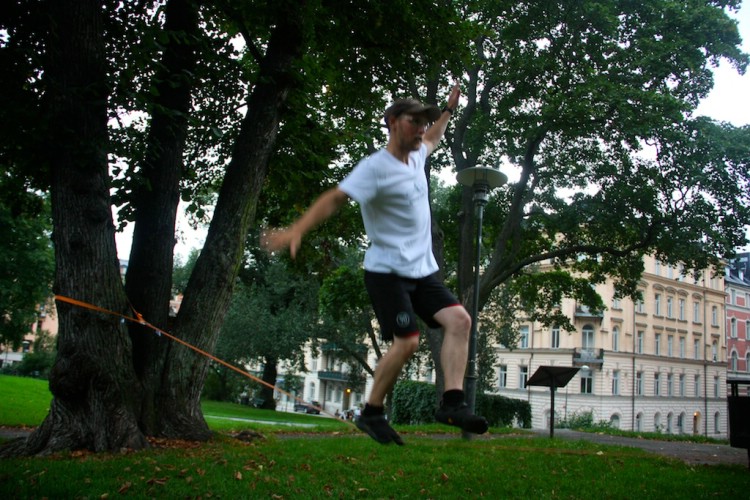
436 131
291 237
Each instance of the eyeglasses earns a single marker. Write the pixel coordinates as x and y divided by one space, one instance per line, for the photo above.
417 122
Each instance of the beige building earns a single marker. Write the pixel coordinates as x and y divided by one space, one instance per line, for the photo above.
654 365
46 321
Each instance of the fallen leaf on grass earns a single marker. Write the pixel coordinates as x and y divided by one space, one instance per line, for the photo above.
238 476
124 488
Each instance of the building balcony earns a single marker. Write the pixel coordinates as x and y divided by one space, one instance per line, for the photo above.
586 356
585 312
334 376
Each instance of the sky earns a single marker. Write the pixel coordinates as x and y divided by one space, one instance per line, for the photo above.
728 101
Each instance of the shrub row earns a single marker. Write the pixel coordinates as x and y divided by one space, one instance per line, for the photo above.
414 403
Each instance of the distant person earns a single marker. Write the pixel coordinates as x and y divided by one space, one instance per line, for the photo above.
400 269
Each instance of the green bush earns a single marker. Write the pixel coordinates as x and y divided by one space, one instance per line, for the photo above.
583 420
35 364
414 403
504 412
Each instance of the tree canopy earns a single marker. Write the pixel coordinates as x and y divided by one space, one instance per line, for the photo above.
590 105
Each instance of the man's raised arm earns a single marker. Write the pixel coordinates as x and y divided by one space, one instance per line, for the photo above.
436 131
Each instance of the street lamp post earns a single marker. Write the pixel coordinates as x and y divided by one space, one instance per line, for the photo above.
482 180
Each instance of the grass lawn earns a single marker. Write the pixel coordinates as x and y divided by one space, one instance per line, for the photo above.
331 459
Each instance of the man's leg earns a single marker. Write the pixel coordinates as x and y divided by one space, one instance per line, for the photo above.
389 367
454 357
455 351
372 421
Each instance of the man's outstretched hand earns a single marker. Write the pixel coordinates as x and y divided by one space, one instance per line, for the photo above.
274 240
453 97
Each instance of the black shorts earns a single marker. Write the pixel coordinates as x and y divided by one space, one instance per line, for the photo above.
398 301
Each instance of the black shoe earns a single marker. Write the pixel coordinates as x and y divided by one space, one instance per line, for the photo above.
378 429
461 416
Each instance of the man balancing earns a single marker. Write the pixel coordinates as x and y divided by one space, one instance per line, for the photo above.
401 278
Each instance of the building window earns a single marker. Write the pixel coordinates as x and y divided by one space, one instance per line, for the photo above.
616 303
696 349
640 307
733 361
733 328
717 422
587 382
657 421
657 384
523 341
639 384
670 344
681 309
681 423
587 338
503 376
523 376
682 347
614 421
747 329
657 344
639 422
616 382
696 312
657 268
670 385
657 304
682 385
555 339
670 313
616 338
714 351
716 386
697 386
639 342
669 423
747 364
714 316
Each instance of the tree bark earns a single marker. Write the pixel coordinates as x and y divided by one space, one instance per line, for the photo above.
148 282
270 372
93 384
207 295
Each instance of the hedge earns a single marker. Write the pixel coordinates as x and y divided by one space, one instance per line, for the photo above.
414 403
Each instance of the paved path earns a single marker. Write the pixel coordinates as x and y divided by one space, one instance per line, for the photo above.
692 453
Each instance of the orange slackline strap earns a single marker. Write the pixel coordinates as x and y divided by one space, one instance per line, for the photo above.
140 320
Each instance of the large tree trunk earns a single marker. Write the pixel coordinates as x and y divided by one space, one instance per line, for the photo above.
270 372
209 289
148 281
92 381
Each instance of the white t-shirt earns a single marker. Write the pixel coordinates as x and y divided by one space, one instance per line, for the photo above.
394 202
